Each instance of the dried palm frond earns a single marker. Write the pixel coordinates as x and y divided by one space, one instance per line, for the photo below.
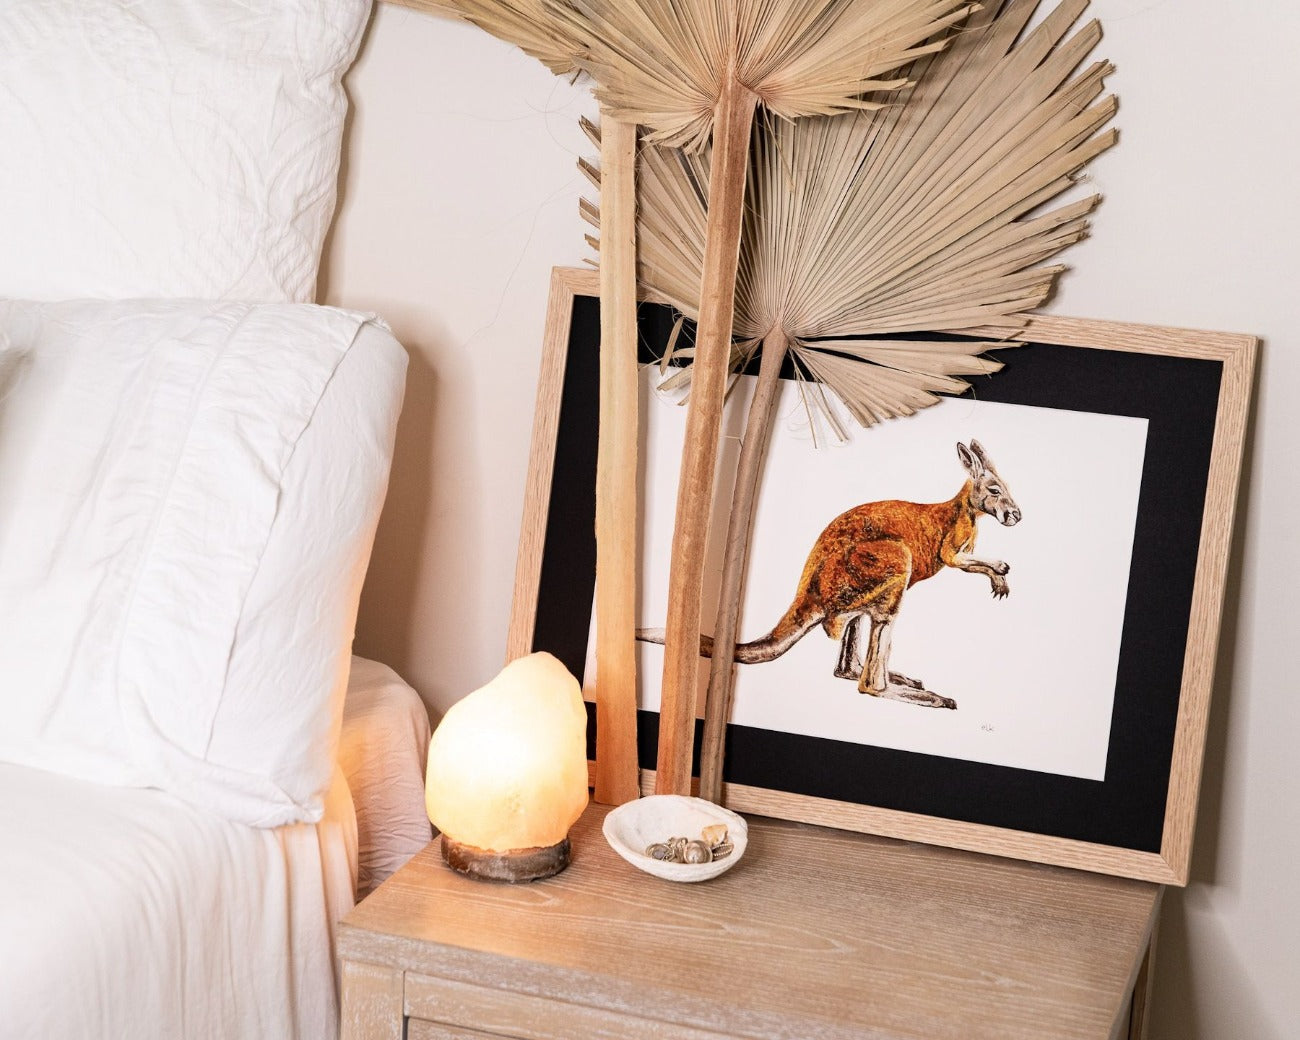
695 71
919 217
914 218
665 64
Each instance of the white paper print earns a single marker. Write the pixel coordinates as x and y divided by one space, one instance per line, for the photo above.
1033 674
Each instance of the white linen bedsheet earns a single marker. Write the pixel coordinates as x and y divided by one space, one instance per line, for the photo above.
126 913
382 749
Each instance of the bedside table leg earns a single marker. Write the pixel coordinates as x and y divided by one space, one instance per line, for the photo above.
371 1004
1141 1006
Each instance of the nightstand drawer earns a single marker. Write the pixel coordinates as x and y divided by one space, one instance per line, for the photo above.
479 1012
421 1029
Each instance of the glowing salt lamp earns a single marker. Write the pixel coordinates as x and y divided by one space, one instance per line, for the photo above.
507 773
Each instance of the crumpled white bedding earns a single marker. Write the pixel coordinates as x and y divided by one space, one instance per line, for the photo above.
127 913
382 749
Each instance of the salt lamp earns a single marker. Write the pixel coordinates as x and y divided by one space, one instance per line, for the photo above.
507 774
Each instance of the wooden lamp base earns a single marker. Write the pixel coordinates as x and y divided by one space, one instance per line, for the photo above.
513 865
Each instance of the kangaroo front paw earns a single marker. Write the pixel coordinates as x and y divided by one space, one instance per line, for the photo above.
1000 587
1000 566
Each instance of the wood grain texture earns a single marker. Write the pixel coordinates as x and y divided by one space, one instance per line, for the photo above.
744 503
422 1029
953 834
1140 1015
566 283
1237 353
528 1017
816 933
616 471
541 458
371 1002
733 125
1208 595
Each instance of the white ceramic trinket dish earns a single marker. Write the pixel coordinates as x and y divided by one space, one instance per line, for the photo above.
633 827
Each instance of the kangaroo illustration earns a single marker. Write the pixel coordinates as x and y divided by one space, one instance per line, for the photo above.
865 560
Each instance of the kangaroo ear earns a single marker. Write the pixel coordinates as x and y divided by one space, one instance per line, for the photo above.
980 454
972 464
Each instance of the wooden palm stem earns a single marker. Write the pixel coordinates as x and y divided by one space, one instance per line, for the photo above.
733 122
616 754
753 450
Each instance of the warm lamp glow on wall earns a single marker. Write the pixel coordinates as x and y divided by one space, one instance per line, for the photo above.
507 773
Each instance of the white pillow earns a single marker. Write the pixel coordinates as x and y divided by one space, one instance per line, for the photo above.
188 497
170 148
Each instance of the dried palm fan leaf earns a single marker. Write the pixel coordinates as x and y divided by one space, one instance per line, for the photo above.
694 71
670 65
915 218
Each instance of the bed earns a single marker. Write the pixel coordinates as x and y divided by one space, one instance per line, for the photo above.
127 913
196 779
196 776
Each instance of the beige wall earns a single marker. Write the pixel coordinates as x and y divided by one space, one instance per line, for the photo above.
459 195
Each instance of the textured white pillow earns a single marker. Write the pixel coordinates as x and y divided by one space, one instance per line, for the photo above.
170 148
188 497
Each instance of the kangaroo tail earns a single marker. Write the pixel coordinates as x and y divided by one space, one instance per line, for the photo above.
789 630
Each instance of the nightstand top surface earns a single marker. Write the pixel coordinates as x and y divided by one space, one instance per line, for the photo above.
816 933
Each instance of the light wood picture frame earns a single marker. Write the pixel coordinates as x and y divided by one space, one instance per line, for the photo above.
1190 390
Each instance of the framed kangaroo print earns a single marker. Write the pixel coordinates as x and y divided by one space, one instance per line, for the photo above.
991 625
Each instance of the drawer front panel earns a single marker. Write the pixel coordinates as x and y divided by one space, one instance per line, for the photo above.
481 1012
420 1029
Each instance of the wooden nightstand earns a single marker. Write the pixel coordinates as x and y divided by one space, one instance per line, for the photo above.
815 935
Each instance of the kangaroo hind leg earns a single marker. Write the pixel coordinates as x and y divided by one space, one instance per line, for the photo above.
889 563
878 681
850 662
874 678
